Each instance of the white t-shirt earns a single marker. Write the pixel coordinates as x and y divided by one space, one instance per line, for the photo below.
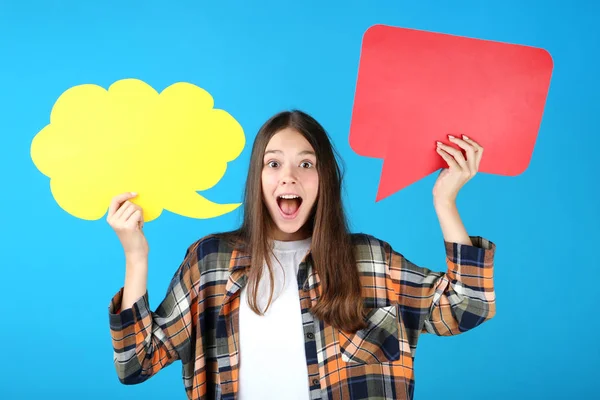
272 353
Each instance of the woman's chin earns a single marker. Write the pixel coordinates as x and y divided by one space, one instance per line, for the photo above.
291 231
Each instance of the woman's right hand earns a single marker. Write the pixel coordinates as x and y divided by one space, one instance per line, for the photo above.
127 220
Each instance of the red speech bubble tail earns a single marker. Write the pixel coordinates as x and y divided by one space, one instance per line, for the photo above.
392 181
394 175
389 180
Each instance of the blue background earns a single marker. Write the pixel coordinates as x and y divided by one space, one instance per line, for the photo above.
58 273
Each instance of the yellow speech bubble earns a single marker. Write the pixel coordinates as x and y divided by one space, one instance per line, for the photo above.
130 138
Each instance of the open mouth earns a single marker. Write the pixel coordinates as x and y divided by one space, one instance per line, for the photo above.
289 204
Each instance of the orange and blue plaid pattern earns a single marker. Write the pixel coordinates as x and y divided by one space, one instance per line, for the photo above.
197 322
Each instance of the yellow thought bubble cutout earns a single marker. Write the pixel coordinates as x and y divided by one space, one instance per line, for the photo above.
130 138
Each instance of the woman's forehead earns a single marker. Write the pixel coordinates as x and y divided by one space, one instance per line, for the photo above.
289 141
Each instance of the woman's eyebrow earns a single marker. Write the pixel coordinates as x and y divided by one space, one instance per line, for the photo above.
272 151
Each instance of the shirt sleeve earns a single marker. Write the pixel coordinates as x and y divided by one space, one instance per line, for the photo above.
145 341
450 302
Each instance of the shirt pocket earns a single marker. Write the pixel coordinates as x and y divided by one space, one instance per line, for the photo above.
375 344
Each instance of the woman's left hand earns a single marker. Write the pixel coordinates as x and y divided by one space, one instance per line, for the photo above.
460 169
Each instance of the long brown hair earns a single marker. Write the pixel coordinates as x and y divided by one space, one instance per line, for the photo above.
332 252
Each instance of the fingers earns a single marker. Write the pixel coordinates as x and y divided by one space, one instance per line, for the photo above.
471 153
117 201
125 214
457 156
473 150
136 219
452 164
125 211
478 150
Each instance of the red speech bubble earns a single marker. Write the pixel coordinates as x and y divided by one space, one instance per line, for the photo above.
416 87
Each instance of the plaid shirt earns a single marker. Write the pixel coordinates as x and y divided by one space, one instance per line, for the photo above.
197 321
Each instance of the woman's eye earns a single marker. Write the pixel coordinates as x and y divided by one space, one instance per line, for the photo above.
306 164
273 164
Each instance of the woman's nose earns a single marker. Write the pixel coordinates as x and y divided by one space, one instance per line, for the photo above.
288 179
288 176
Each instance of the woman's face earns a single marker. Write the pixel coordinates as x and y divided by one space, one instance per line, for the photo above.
290 183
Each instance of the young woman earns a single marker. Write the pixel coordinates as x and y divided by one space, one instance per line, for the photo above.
292 305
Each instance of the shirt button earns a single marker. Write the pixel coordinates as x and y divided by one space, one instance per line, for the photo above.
310 335
315 381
